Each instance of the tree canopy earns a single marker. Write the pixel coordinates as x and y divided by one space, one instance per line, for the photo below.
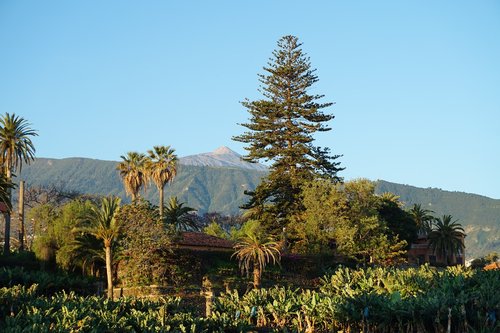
280 131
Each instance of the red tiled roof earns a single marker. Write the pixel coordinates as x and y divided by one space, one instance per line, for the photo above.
492 266
3 207
199 239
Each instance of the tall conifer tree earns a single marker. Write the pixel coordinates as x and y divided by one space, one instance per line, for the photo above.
280 131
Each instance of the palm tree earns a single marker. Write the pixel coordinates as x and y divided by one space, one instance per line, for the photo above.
16 147
161 167
447 237
180 216
254 252
102 224
422 218
391 197
5 189
132 173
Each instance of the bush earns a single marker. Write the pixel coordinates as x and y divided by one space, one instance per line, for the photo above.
47 283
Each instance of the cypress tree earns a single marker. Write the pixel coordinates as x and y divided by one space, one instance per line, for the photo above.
280 131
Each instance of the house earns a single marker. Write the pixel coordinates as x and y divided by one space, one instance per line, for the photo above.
420 252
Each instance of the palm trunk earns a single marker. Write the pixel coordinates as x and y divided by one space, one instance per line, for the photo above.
256 277
108 271
6 244
160 190
21 214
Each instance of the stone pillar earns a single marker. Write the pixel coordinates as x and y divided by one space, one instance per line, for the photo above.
207 292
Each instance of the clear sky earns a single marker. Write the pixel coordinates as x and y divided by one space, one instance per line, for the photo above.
416 83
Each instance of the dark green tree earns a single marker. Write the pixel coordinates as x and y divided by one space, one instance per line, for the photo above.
399 222
146 245
423 218
280 131
181 217
447 237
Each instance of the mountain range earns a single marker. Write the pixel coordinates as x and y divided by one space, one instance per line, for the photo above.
216 181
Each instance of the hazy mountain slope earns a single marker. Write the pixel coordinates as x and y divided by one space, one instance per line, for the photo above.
479 215
205 188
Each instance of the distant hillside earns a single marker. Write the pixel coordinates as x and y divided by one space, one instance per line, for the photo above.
216 182
479 215
205 188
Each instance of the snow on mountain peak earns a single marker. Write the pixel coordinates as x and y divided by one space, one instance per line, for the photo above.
223 150
221 157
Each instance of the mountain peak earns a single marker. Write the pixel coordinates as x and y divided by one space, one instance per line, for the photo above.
221 157
223 150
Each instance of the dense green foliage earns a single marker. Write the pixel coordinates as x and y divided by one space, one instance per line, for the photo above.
47 283
56 240
145 246
375 300
354 219
22 310
281 131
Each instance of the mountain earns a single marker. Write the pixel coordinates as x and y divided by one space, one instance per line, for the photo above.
208 182
216 181
221 157
479 215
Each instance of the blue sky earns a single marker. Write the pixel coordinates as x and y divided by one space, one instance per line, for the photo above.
416 83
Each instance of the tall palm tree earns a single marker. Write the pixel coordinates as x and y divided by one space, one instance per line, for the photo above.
161 166
16 147
180 216
132 173
422 217
447 237
254 251
102 224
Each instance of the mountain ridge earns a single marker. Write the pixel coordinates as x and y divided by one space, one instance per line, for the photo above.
220 188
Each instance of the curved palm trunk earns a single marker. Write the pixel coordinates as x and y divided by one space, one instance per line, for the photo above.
160 190
109 272
256 277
